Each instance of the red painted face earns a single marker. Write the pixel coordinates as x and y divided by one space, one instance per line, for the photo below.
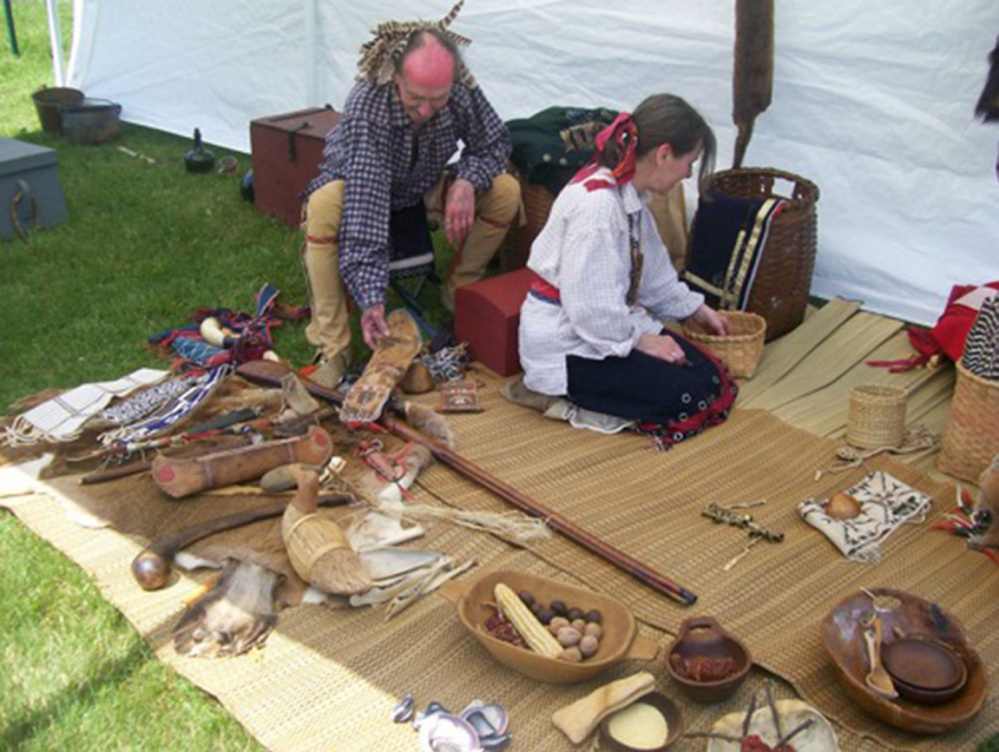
421 102
424 83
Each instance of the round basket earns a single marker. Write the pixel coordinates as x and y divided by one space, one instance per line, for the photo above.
741 349
537 202
971 438
877 416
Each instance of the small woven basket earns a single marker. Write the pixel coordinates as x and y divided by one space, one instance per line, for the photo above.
741 349
877 416
971 438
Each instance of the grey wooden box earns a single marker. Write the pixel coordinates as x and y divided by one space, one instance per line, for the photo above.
31 196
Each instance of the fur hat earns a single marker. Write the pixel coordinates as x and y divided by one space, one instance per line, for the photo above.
380 55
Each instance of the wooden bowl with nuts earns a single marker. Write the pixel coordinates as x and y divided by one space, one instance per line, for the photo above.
547 629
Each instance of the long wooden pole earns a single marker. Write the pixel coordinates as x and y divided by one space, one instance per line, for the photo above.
271 373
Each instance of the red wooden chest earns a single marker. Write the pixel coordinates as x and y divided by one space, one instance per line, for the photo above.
286 152
487 316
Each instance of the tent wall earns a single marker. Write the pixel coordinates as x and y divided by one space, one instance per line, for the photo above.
872 101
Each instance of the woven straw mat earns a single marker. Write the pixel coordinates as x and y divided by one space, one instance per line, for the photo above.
351 666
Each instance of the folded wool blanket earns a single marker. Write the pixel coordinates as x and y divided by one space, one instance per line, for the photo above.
981 351
886 503
728 239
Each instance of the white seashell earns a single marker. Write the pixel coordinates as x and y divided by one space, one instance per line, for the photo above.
443 732
385 562
403 711
488 719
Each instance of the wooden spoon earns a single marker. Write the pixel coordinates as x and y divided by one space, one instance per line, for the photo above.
878 678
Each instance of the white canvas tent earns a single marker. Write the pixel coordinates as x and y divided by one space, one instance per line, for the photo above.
872 101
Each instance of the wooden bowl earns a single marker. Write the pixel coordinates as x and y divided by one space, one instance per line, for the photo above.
703 637
924 671
915 617
619 642
669 710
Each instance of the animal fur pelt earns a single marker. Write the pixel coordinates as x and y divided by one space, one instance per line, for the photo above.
986 513
753 77
988 104
235 615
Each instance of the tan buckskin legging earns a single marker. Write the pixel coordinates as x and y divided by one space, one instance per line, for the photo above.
329 329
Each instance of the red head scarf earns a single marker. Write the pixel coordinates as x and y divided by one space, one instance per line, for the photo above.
623 133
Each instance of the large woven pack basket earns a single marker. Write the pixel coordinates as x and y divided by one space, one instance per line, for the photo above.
971 438
784 276
537 201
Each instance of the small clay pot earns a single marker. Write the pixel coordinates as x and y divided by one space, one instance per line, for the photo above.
703 637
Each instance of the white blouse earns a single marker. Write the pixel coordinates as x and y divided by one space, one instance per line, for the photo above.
584 251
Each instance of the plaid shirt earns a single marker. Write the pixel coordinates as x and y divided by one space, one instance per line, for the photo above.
387 165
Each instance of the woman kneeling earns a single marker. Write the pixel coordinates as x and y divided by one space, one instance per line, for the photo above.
590 326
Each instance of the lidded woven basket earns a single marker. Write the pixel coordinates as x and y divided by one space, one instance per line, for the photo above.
876 417
741 349
971 438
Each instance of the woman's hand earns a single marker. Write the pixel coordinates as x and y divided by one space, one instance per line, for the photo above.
661 346
710 321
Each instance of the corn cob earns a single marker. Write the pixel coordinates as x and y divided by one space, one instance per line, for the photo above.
533 631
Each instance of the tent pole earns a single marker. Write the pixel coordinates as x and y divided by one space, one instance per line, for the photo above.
10 28
55 42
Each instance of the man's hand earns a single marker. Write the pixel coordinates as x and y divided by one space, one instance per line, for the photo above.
373 325
661 346
709 320
459 211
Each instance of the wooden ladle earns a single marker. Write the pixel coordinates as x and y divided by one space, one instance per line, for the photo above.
878 678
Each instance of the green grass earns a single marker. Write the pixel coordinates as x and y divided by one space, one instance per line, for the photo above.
144 245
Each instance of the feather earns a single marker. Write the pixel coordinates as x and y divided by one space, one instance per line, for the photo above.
753 76
379 55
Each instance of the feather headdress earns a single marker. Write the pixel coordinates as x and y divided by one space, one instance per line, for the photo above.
380 55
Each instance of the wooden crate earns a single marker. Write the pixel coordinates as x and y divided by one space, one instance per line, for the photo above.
286 151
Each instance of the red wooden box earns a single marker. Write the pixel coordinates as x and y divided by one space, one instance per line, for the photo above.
286 151
487 315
